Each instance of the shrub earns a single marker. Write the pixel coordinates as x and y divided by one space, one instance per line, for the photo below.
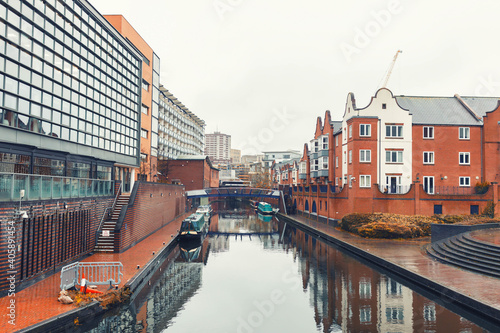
482 188
489 210
351 222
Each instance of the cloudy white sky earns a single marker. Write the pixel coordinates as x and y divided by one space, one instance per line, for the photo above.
248 66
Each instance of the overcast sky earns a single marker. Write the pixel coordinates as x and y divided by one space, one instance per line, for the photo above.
249 66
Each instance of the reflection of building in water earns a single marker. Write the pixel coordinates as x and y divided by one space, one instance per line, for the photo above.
219 244
350 297
172 290
395 306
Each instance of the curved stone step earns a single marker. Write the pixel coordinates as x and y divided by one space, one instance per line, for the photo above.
465 249
467 238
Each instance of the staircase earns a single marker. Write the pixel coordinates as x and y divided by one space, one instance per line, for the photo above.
466 252
107 243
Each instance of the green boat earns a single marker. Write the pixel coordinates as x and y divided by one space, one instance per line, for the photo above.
265 208
193 227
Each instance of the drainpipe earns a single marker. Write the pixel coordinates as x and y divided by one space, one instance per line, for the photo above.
482 153
379 152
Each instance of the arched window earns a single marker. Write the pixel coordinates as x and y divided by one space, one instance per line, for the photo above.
307 206
314 207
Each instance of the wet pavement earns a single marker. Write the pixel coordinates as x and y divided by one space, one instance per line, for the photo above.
491 236
410 255
39 301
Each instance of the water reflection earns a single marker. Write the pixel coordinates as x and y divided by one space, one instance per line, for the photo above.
308 285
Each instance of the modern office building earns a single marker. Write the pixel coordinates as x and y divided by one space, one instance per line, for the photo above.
218 147
150 83
70 93
181 132
235 156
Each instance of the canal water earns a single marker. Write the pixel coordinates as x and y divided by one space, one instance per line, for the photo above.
257 274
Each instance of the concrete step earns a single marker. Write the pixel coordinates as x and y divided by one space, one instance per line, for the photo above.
476 252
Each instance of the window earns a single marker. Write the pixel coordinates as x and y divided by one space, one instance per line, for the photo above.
144 133
394 131
350 180
394 156
145 85
365 314
464 133
429 184
365 155
384 106
365 181
324 162
336 161
325 143
464 181
144 109
429 312
428 132
365 288
350 156
464 158
337 141
394 315
144 157
365 130
350 131
428 157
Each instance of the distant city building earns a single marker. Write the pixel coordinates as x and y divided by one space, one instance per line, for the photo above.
235 156
218 147
181 132
248 159
279 156
195 172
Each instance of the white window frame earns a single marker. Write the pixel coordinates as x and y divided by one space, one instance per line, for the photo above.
428 157
336 161
336 141
466 156
350 131
464 181
350 156
428 128
397 128
397 153
323 163
428 184
350 181
464 133
366 129
365 181
324 143
363 154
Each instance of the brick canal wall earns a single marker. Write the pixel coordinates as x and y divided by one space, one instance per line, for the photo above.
151 206
56 233
334 205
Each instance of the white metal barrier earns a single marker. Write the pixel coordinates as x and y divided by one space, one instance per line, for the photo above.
98 273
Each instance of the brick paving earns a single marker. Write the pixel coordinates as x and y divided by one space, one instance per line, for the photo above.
39 301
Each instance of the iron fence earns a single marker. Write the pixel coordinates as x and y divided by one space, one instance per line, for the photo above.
98 273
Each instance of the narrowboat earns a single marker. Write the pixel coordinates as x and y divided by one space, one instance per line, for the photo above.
264 218
204 209
265 208
193 227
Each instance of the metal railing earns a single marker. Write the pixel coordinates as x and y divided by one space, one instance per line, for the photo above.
106 212
41 187
398 189
98 273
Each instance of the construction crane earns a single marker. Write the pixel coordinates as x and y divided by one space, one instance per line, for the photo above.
389 70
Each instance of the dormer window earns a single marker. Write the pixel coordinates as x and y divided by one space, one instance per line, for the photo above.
384 106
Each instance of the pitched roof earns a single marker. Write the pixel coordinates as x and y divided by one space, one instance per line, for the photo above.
447 110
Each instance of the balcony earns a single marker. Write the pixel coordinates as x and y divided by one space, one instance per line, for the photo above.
314 174
323 173
303 176
39 187
315 155
322 153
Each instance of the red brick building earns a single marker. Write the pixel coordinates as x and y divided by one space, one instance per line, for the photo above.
410 155
196 172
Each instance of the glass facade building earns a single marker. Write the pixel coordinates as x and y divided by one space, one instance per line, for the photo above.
68 83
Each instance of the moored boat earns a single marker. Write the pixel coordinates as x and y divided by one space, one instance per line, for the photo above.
204 209
254 204
264 218
193 227
265 208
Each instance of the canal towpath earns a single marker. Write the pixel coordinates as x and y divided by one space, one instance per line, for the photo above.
38 303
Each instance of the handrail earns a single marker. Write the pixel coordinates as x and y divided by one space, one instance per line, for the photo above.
98 231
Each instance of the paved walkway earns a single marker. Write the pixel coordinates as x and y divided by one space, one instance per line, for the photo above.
39 301
409 254
488 235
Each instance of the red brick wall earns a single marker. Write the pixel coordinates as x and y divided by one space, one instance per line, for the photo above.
52 237
151 206
491 141
190 173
